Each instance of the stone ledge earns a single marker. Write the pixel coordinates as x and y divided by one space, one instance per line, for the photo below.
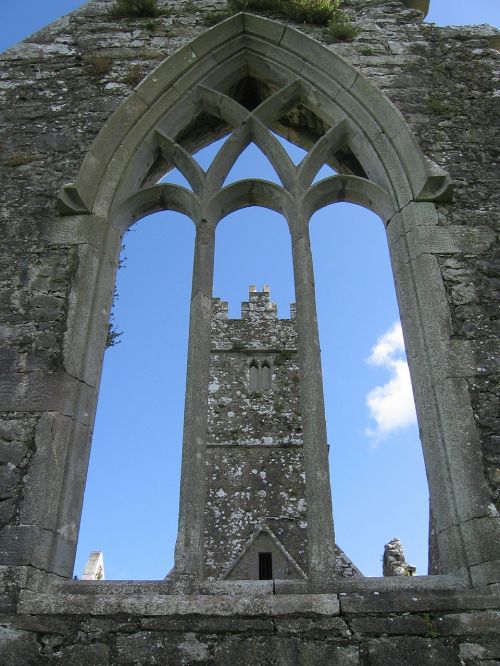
32 603
152 603
419 601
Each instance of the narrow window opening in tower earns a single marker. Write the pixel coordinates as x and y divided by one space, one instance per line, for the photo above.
131 501
378 479
253 383
265 376
265 566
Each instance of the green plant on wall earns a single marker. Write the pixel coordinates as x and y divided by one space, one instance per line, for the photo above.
317 12
113 335
432 632
98 64
255 5
136 8
212 18
438 104
134 76
338 26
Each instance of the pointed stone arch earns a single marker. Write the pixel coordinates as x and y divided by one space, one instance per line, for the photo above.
240 47
196 95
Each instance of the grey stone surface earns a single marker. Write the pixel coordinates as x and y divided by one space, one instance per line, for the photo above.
411 651
413 103
394 562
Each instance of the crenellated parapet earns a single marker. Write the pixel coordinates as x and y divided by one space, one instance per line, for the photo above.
259 327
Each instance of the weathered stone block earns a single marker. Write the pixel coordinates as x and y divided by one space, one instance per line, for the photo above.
18 647
212 625
90 655
312 628
408 625
326 654
482 650
266 651
7 509
153 648
9 478
411 651
472 623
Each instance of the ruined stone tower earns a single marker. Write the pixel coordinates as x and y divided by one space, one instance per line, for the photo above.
96 109
256 511
255 481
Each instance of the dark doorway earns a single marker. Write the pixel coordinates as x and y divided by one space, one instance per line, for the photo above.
265 566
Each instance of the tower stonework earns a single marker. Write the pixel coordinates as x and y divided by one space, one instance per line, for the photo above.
256 499
406 113
255 467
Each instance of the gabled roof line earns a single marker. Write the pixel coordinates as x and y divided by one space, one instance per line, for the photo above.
265 529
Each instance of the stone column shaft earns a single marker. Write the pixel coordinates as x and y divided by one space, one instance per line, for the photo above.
321 540
189 546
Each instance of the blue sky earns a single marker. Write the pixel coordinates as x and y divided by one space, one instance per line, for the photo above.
378 479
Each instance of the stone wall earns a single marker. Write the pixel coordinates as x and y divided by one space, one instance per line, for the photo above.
363 629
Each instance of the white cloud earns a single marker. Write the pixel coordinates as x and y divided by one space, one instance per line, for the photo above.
391 405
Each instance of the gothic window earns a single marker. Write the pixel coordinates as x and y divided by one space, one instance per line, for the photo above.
269 79
265 376
253 383
259 375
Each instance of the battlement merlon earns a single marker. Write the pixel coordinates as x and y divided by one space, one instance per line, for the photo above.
220 309
259 304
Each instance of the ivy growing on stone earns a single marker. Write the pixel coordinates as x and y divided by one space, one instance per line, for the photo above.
113 334
437 104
